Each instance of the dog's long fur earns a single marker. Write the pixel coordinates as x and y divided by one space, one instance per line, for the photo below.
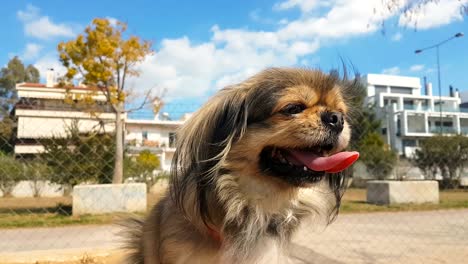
217 183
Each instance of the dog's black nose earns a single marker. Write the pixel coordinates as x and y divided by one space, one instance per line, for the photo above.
333 120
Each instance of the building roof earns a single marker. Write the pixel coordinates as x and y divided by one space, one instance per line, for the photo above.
393 80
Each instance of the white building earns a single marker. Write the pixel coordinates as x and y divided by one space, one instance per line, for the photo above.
157 136
42 112
409 115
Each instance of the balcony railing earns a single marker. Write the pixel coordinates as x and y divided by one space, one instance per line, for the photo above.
65 107
416 130
415 107
445 130
436 108
464 130
150 144
450 109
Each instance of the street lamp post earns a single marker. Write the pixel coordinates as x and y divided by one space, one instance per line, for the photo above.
436 46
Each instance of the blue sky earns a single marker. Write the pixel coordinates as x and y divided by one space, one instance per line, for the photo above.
201 46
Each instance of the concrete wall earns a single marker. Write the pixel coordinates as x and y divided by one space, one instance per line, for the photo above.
109 198
398 192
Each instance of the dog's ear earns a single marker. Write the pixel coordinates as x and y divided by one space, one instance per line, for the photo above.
202 145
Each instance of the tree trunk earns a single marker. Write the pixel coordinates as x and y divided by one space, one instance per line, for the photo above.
118 164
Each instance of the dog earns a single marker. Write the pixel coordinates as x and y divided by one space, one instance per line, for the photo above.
255 161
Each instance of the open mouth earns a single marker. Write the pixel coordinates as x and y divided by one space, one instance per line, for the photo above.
300 166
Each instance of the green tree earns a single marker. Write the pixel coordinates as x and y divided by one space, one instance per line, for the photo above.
365 137
37 173
79 158
445 154
11 172
14 72
105 57
377 156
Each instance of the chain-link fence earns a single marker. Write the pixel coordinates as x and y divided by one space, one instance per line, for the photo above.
420 215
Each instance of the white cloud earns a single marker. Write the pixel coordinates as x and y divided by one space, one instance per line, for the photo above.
189 70
416 67
433 14
343 19
31 51
42 27
397 36
112 20
304 5
391 71
283 21
186 69
48 61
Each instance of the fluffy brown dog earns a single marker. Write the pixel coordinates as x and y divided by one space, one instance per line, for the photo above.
250 166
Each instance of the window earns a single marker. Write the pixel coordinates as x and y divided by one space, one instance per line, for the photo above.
401 90
444 123
380 89
409 143
172 139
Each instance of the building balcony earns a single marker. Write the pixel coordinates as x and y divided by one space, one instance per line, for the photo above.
151 145
66 107
40 113
464 130
416 107
445 130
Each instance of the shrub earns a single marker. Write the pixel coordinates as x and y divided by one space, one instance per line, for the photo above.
80 158
142 168
445 154
376 155
11 172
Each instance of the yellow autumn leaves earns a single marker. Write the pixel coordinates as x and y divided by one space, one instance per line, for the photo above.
103 57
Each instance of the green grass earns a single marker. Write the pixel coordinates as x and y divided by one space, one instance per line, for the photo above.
52 212
13 220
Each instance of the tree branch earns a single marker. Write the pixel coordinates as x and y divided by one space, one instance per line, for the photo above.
146 100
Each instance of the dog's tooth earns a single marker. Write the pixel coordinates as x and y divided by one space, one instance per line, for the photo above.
305 168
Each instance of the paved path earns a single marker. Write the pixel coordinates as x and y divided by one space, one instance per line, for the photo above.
416 237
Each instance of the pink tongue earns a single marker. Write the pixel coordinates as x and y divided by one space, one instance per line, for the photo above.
332 164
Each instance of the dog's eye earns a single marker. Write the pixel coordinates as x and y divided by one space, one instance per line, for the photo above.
292 109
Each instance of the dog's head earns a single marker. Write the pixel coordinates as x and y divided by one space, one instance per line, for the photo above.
280 127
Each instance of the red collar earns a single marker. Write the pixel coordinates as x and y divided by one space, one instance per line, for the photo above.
214 234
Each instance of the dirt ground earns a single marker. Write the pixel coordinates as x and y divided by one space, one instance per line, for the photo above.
115 257
351 195
33 202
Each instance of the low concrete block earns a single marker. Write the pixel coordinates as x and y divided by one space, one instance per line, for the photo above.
397 192
109 198
464 181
